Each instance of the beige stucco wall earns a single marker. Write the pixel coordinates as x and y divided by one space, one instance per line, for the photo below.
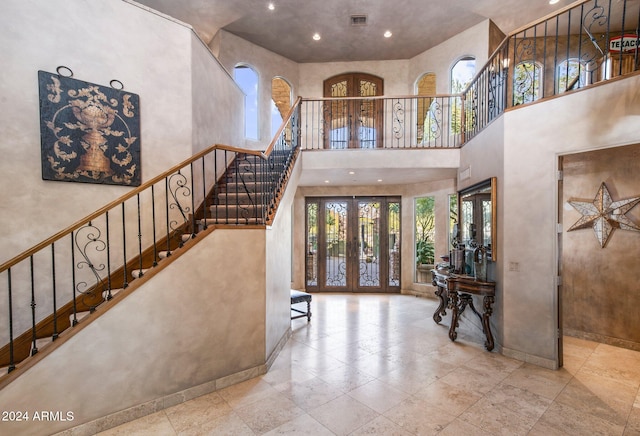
279 255
231 51
600 117
181 87
217 102
180 84
173 333
439 60
108 40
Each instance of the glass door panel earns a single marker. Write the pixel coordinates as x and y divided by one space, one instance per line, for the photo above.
335 241
393 232
312 244
368 244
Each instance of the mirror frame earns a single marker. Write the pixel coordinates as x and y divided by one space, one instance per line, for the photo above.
493 184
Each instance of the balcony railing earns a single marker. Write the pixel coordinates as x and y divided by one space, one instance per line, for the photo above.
581 45
381 122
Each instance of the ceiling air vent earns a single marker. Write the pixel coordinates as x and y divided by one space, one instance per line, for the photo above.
358 20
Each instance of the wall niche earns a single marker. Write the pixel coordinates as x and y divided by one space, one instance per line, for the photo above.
600 289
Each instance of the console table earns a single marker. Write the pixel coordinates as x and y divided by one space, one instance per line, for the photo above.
455 292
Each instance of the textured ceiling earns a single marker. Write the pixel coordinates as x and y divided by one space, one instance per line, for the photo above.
417 25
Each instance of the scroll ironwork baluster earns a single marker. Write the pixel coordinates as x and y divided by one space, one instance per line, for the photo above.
93 235
180 188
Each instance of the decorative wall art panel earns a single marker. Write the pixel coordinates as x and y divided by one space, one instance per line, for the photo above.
89 133
604 215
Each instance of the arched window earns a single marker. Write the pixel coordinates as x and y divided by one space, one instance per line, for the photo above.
527 82
280 102
570 74
427 124
247 79
462 73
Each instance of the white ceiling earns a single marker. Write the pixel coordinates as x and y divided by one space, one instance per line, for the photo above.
417 25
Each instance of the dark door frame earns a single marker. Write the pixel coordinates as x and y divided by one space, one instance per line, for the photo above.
351 112
352 261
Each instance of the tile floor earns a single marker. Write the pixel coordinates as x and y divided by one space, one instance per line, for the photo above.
379 365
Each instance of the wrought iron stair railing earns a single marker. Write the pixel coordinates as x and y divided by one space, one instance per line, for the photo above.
50 287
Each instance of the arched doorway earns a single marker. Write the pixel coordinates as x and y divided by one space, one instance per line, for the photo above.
353 123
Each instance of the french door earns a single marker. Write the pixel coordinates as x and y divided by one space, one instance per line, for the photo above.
353 244
356 122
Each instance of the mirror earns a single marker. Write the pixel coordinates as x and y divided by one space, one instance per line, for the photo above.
477 217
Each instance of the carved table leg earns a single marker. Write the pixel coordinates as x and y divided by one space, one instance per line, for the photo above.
440 292
488 301
453 305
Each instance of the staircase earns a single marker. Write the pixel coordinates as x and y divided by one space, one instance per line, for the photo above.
242 193
169 218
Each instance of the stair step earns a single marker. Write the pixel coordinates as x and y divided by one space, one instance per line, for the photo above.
241 198
247 186
114 292
137 273
232 211
40 343
79 316
241 221
164 254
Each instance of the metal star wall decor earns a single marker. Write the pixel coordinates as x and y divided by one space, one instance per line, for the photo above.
605 215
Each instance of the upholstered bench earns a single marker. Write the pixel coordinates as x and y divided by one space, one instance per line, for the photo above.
301 297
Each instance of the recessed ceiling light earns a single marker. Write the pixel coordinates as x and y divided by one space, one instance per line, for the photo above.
388 34
379 180
326 181
316 37
352 172
271 6
553 2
